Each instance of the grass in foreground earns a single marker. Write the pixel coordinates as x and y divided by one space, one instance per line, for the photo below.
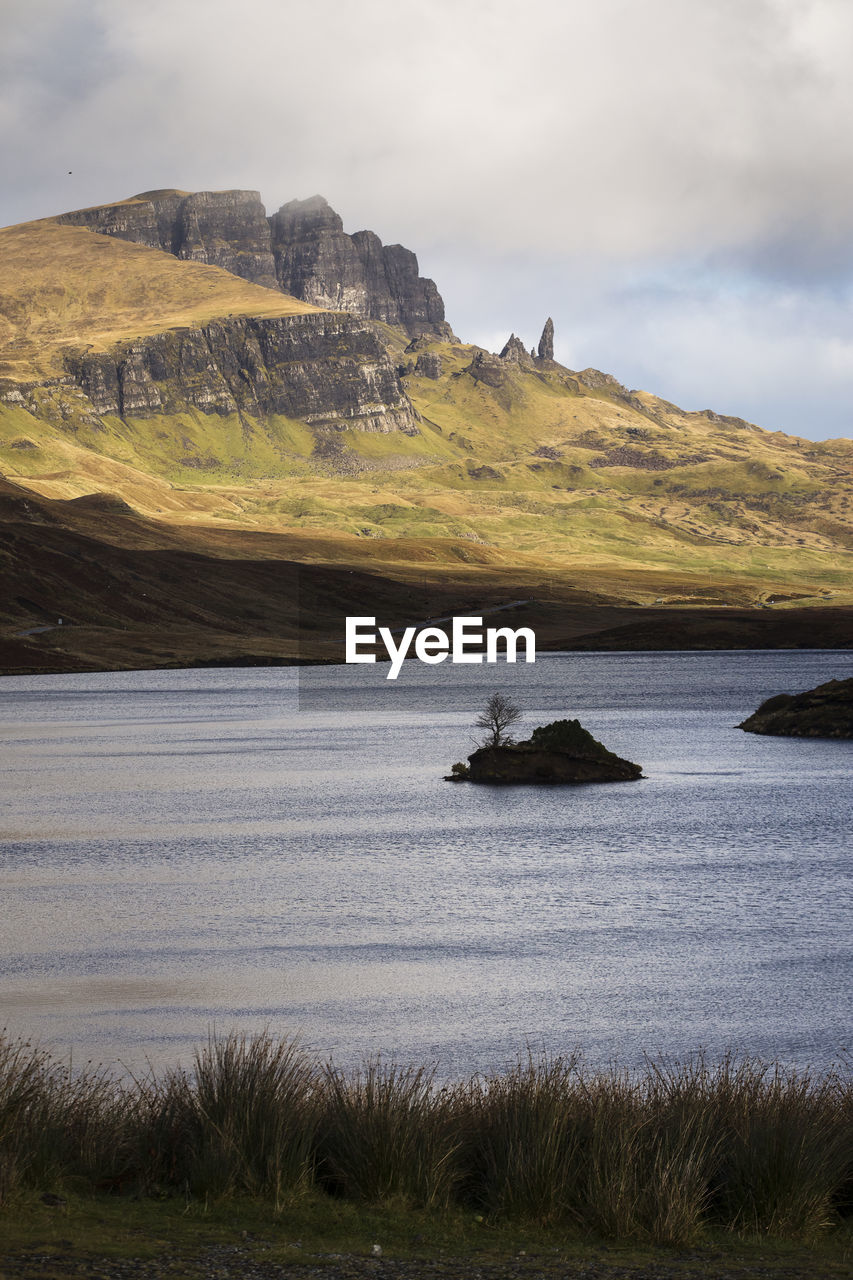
668 1156
201 1238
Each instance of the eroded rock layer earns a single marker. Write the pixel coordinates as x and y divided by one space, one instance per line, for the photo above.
323 368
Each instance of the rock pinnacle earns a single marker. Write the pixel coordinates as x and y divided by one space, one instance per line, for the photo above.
546 342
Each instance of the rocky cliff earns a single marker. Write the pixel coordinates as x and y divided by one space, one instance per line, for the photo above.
327 369
302 250
226 229
317 261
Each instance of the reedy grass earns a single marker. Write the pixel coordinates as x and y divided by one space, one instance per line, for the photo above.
522 1139
386 1132
657 1155
57 1123
250 1112
786 1147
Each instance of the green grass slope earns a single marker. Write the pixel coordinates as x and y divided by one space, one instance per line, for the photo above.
566 471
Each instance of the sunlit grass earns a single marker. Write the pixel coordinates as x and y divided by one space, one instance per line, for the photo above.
65 287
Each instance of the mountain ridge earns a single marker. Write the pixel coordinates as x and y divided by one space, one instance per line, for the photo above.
209 401
302 250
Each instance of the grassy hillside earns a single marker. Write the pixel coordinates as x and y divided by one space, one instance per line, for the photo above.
65 287
567 477
133 592
543 468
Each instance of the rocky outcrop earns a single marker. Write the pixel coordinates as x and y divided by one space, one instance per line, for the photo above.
824 712
545 349
316 260
516 352
302 250
598 381
487 368
327 369
227 229
492 369
561 752
428 365
147 219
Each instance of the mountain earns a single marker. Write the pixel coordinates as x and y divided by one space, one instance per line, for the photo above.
301 250
271 389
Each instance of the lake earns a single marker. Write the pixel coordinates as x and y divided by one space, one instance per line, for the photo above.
270 847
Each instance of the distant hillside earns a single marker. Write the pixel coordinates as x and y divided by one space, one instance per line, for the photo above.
88 584
147 351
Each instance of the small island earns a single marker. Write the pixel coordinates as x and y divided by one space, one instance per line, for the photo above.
823 712
560 752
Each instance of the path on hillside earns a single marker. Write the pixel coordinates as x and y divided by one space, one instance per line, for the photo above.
35 631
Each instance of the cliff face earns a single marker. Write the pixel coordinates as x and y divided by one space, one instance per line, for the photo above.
328 370
226 229
317 261
302 250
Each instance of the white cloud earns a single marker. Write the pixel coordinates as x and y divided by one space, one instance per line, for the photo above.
615 128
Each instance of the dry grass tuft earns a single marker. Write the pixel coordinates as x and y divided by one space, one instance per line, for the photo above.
659 1155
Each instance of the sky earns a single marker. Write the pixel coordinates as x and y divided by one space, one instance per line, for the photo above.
670 180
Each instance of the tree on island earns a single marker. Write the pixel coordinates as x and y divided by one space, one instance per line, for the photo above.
496 717
560 752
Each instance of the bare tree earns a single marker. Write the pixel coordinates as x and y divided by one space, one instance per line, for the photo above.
496 717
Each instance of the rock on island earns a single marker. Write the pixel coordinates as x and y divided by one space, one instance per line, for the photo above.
554 753
823 712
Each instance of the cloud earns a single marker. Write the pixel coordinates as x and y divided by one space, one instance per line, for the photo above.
779 355
606 141
612 129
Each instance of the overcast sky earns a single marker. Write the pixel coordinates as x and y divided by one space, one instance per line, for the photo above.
671 180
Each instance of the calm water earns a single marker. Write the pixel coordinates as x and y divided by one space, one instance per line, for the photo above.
184 849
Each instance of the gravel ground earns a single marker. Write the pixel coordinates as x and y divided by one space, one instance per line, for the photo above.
235 1262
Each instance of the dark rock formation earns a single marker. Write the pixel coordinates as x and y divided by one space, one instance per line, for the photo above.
555 753
488 369
546 342
324 368
302 250
148 219
483 472
648 460
317 261
226 229
516 352
824 712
